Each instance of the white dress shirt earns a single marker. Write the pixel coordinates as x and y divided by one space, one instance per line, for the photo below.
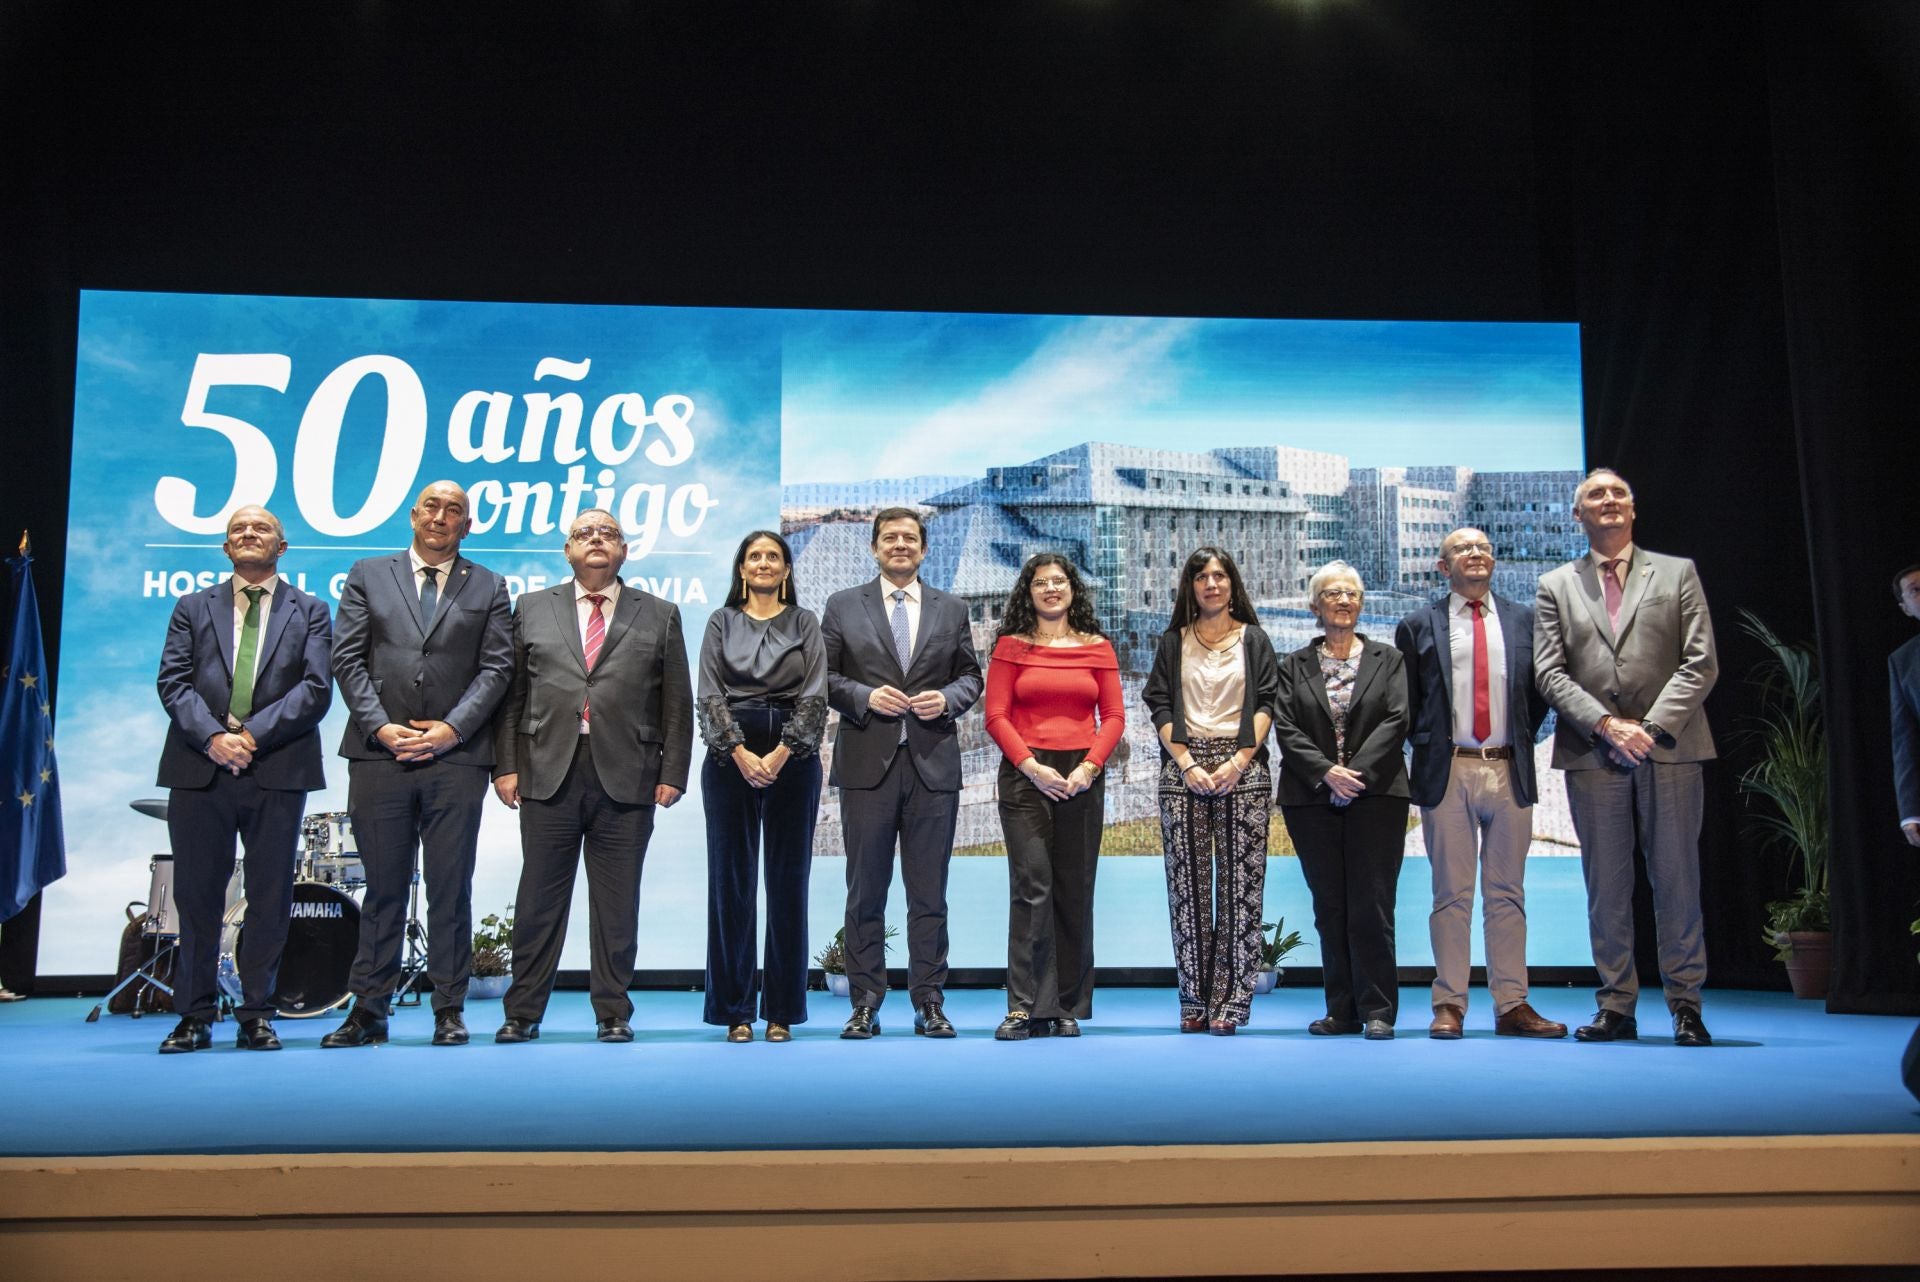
887 589
440 573
1460 649
240 614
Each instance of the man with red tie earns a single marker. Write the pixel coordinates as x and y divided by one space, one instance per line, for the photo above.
1474 710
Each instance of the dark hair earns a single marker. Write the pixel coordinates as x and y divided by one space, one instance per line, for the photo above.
1901 578
1020 618
1239 604
737 588
886 514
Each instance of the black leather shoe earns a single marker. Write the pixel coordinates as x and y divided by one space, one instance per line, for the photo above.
1608 1026
931 1021
449 1029
1016 1027
1066 1026
362 1028
864 1023
1688 1028
518 1030
189 1034
1378 1030
257 1035
1328 1026
613 1030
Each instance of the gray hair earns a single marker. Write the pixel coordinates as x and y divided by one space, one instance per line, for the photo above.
1586 483
1328 573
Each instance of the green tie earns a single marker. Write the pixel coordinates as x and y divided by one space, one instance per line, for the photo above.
242 703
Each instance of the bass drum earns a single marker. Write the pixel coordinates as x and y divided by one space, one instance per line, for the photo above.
322 937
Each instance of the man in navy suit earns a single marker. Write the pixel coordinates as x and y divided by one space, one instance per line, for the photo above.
423 651
1903 670
243 676
901 671
1474 710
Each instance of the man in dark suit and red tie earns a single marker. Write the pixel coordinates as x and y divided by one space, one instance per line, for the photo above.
1623 649
901 671
423 650
243 676
1474 710
596 732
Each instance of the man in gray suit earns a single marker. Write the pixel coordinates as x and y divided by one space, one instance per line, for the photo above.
596 732
1623 650
422 650
901 671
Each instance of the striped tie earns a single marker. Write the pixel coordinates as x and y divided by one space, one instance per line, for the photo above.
596 637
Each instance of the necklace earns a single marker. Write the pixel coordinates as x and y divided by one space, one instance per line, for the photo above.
1221 642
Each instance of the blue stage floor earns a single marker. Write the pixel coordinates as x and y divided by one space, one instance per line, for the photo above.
1778 1067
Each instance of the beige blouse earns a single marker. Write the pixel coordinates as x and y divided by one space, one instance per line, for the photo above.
1213 684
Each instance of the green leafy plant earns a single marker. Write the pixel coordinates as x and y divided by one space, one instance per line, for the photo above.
832 960
1788 779
493 945
1274 945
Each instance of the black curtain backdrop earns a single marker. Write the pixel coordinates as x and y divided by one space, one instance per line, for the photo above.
1718 192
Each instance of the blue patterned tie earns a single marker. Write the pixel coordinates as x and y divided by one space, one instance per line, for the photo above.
429 593
902 642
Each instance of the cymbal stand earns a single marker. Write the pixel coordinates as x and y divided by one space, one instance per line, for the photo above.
145 971
407 993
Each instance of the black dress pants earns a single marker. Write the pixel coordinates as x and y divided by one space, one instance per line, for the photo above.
1351 856
901 808
1053 853
743 824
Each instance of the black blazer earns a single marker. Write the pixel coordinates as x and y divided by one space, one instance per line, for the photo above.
858 636
1424 642
642 697
392 669
1903 674
1167 702
1376 724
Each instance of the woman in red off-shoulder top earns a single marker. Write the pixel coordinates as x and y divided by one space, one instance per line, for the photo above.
1054 708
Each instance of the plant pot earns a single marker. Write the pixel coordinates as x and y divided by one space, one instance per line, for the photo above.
488 988
1267 980
837 985
1809 962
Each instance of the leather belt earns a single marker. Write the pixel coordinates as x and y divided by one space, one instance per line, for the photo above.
1485 754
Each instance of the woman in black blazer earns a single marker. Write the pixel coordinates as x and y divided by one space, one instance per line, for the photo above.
1341 723
1211 692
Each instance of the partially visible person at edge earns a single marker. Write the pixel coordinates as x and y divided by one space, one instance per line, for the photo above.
1054 707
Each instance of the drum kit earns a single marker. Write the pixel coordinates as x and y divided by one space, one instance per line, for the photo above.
323 933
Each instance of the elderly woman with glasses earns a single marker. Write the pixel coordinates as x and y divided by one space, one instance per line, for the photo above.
1211 692
1343 793
1054 708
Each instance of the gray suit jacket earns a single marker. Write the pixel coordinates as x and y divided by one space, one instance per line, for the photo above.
1658 667
861 658
392 668
642 697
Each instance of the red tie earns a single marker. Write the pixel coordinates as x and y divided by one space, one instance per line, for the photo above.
596 637
1482 694
1610 588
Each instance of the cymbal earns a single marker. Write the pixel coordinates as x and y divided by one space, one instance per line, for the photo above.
155 806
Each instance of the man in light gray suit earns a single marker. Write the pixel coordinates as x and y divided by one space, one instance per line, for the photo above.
901 670
596 732
1623 650
422 651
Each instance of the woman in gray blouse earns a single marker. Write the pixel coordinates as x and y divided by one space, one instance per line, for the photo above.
762 704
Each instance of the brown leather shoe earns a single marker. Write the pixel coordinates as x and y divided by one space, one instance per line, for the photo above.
1447 1022
1524 1021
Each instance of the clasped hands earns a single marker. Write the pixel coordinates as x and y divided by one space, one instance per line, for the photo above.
1345 783
891 702
1626 740
1053 784
233 750
418 740
758 771
1217 782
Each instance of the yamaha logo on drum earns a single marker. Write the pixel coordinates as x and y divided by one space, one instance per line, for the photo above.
326 908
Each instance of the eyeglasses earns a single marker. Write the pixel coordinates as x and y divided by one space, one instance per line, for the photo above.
1052 583
597 534
1461 549
1339 594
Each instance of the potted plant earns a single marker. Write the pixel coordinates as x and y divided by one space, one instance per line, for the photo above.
832 960
1789 779
492 955
1274 945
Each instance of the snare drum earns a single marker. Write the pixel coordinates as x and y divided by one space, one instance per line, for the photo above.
322 937
328 854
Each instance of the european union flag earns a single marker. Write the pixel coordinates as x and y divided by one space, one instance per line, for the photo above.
33 850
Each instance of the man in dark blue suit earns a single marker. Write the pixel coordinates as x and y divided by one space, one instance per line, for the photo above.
901 670
1474 711
1903 670
423 651
243 676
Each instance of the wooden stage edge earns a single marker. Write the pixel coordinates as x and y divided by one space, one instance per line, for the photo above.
1479 1206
